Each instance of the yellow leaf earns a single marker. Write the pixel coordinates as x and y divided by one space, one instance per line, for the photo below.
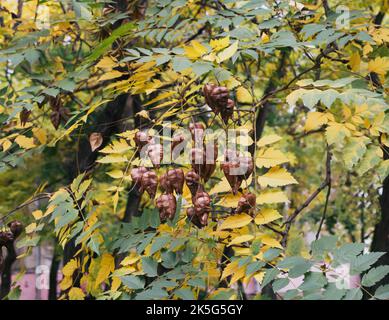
336 132
112 159
270 157
379 65
127 261
116 174
66 283
228 52
268 240
76 294
37 214
367 49
31 228
143 114
107 265
267 215
115 200
195 50
110 75
6 145
276 177
229 200
241 239
40 134
230 269
272 197
239 274
116 146
219 44
243 95
24 142
315 120
355 62
69 268
236 221
106 63
266 140
222 186
116 282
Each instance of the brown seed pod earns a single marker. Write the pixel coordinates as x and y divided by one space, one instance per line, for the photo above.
236 169
192 181
201 202
176 178
177 140
137 173
246 203
216 97
227 111
155 153
141 139
197 132
211 153
197 157
192 217
16 228
149 183
165 183
24 115
166 204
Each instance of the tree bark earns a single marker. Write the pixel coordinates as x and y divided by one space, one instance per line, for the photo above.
55 262
6 276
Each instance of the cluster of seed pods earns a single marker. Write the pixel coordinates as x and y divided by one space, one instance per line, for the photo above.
203 157
7 238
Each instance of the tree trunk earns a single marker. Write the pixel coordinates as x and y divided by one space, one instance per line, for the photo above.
7 271
55 262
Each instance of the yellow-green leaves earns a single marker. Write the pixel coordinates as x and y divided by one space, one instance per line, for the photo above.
269 139
267 215
236 221
315 120
270 157
276 177
243 95
195 50
219 44
379 65
227 53
107 265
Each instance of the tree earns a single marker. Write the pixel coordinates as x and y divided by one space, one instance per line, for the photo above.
94 93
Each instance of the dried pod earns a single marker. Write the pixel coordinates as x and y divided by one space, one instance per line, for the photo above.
165 183
137 173
16 228
197 157
176 178
177 140
201 202
211 153
24 115
155 153
227 111
192 217
141 139
246 203
166 204
192 181
197 132
236 169
216 97
149 183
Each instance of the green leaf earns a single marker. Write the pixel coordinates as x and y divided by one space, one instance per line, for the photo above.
254 267
323 245
153 293
363 262
150 266
184 294
270 275
382 292
133 282
313 281
66 84
354 294
279 284
333 293
374 275
159 243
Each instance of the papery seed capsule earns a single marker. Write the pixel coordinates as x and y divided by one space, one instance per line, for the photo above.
192 181
176 178
141 139
149 183
246 203
16 228
137 173
167 205
155 153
